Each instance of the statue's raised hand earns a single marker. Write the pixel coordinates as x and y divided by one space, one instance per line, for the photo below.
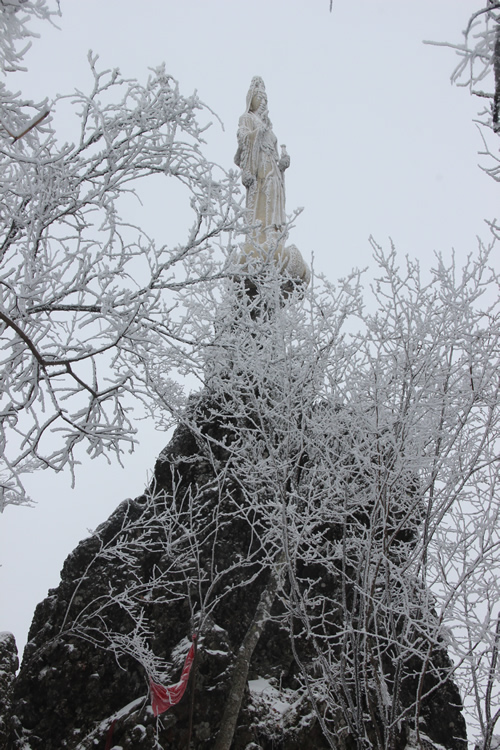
248 179
284 161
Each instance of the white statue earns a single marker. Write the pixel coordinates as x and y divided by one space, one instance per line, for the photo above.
263 176
262 169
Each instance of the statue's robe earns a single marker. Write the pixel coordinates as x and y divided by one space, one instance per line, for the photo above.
258 156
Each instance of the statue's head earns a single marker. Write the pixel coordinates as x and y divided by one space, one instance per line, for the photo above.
257 98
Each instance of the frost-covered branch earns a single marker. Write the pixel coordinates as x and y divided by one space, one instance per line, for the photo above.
89 302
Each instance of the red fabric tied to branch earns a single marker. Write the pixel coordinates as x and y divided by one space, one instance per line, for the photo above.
162 698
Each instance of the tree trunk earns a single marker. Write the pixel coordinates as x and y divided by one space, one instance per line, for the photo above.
243 659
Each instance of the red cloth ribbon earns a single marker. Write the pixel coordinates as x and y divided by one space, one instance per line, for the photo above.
109 736
162 698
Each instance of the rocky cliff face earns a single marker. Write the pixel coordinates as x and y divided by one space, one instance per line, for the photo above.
185 556
8 667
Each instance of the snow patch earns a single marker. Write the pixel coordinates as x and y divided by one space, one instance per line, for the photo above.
216 652
275 708
276 700
140 730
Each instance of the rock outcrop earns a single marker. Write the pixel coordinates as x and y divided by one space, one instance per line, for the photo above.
185 556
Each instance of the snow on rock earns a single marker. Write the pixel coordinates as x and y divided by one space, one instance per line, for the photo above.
275 708
263 692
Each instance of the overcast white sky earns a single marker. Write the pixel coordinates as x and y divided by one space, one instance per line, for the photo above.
380 144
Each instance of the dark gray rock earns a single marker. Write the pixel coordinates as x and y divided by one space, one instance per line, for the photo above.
9 664
130 591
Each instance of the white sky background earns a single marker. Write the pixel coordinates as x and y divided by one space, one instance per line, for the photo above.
380 144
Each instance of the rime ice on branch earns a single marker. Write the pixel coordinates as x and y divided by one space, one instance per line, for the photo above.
263 177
